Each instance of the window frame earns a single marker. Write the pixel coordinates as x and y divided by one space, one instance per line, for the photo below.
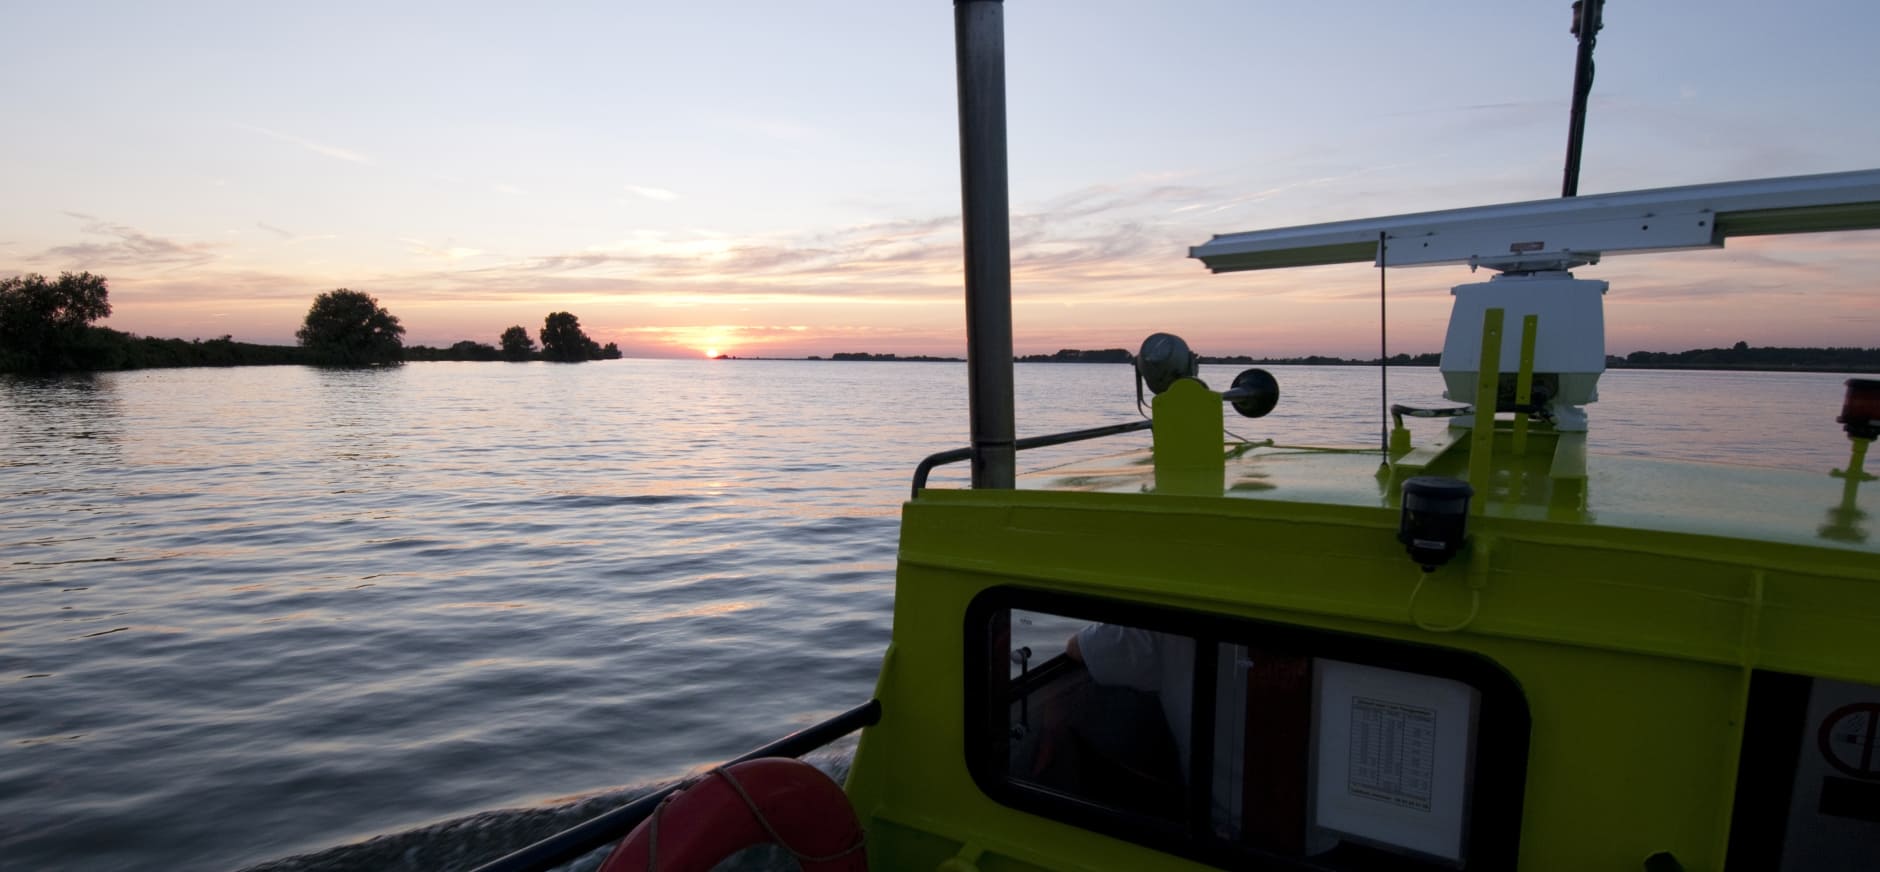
1503 726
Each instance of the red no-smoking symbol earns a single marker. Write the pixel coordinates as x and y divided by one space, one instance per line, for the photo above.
1848 738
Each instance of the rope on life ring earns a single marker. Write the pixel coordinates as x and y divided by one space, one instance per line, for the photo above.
777 800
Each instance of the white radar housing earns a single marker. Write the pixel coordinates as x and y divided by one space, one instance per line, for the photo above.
1569 343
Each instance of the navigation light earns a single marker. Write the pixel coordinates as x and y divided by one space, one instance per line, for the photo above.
1435 519
1860 412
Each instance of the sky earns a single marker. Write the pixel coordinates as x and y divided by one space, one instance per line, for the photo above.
782 179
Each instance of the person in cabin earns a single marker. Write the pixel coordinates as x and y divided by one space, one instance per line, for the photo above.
1164 664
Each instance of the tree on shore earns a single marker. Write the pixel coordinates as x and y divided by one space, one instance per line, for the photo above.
46 325
350 328
472 350
563 340
517 344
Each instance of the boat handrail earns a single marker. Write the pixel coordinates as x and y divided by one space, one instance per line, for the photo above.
572 843
956 455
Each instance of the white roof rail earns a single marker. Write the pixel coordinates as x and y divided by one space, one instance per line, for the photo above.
1662 219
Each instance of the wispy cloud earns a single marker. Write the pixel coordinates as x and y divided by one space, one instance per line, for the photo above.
290 237
126 246
1120 247
651 193
331 151
446 252
1088 245
511 190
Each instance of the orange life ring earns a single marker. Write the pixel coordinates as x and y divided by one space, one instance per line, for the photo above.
771 799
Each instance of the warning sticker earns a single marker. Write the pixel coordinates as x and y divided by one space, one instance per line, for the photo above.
1847 739
1393 752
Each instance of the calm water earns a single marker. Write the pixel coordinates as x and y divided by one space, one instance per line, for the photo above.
255 613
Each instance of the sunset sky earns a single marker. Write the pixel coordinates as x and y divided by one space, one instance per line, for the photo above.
781 179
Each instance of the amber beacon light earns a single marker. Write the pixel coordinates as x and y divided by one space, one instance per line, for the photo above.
1860 412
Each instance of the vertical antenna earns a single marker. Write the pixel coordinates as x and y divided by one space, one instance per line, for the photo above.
1383 348
1587 15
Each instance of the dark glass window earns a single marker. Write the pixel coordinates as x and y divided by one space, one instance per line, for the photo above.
1244 743
1808 780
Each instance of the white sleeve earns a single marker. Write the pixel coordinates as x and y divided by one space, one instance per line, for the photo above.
1124 656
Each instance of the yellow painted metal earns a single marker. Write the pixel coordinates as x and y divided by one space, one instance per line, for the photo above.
1524 381
1634 653
1487 389
1847 522
1856 461
1420 458
1188 454
1631 600
1399 440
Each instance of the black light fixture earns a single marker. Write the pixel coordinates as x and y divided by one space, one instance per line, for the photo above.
1255 392
1860 412
1165 358
1435 519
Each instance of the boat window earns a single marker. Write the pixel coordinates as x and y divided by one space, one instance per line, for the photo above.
1099 711
1808 783
1229 741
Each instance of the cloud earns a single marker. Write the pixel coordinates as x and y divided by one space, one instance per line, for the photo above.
315 147
511 190
448 252
127 246
1095 244
650 193
1262 194
1093 263
1092 244
220 289
290 237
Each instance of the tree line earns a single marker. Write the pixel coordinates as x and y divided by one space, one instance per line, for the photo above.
46 326
1739 356
1742 356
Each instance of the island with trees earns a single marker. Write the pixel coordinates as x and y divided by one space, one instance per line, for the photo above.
863 355
46 326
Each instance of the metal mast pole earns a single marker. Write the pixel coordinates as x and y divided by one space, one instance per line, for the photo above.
1587 15
979 44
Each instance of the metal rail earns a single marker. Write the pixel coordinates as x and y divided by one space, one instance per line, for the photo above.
615 825
956 455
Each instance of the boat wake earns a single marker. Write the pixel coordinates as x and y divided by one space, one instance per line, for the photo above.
467 842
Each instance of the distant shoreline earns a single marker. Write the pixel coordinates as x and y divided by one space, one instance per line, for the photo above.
222 352
1740 359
